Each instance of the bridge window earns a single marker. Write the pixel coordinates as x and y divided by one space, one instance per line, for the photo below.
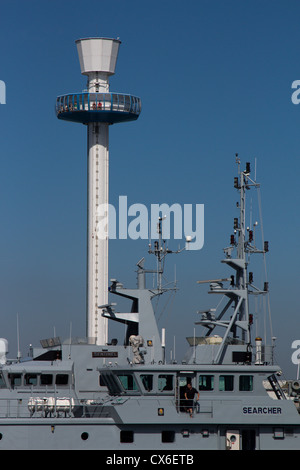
128 382
226 383
46 379
31 379
165 382
246 383
62 379
147 381
15 380
206 382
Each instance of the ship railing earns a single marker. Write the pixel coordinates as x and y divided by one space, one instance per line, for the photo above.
14 408
197 408
50 407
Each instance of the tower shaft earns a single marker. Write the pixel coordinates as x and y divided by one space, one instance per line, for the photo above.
97 243
98 195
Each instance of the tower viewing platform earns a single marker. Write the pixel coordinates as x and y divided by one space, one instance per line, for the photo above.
98 107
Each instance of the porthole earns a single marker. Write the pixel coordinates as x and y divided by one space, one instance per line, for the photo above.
167 436
126 436
84 436
1 435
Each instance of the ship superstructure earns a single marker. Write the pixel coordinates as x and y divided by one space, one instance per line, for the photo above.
243 404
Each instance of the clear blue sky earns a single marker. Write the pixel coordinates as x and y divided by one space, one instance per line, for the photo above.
215 79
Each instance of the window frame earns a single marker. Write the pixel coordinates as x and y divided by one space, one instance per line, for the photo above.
251 382
161 377
228 380
212 381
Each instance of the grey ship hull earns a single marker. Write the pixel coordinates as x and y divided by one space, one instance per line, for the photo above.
102 435
137 418
209 431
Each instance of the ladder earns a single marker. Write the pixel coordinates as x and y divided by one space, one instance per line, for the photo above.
276 387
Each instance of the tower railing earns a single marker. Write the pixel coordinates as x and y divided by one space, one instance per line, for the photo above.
97 103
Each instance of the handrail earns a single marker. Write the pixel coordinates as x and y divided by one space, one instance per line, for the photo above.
98 102
49 406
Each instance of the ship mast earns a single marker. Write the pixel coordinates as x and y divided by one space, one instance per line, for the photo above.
238 290
241 271
160 250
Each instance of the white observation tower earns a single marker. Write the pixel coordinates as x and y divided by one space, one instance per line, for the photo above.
97 108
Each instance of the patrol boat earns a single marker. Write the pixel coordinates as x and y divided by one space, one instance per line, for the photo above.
243 403
75 394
